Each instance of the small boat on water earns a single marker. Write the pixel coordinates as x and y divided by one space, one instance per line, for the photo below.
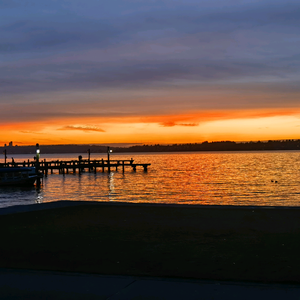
17 176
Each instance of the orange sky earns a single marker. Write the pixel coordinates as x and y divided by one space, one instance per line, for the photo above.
186 128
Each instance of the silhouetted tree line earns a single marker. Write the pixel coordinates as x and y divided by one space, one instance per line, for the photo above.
217 146
205 146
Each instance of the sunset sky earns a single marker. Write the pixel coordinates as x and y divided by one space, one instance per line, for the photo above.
137 71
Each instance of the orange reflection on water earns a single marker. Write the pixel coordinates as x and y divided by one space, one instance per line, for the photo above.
215 178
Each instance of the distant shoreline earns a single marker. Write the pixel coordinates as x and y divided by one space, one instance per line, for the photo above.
285 145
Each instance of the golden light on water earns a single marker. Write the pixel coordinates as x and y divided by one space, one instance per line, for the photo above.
216 178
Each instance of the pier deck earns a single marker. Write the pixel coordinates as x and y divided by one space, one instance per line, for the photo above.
80 165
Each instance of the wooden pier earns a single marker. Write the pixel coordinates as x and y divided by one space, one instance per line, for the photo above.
78 166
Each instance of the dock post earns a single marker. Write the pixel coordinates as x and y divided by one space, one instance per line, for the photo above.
79 164
5 157
46 168
61 168
123 166
89 159
102 165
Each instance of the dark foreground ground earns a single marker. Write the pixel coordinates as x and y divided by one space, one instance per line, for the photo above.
199 242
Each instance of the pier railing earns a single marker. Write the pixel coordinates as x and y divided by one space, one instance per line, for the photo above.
79 165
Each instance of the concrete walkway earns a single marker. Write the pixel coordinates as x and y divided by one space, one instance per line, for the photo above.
25 284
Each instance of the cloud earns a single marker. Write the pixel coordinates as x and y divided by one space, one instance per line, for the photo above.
83 128
172 124
189 124
31 132
197 118
97 57
128 74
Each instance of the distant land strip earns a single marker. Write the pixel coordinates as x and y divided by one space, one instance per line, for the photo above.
205 146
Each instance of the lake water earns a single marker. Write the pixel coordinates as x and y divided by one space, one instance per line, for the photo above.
210 178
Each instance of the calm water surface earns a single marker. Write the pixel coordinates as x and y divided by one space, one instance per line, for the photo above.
214 178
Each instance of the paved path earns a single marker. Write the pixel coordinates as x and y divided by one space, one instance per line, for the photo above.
25 284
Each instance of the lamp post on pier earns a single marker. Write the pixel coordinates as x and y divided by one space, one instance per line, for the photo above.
37 165
108 162
37 153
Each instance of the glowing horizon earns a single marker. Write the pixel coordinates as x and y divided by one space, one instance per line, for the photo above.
215 128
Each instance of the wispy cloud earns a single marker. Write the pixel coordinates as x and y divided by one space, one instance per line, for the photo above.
189 124
82 128
171 124
31 132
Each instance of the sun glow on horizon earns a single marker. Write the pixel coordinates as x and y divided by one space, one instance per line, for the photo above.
171 132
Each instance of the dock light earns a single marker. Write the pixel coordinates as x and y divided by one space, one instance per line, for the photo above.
37 165
37 152
108 153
